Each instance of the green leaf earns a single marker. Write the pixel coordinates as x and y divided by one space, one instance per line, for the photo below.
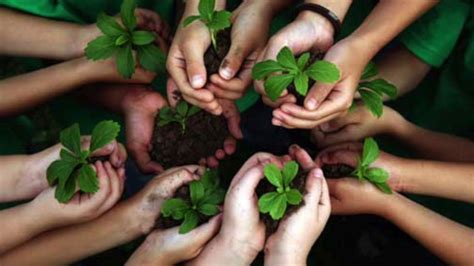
381 86
121 40
66 188
294 197
372 101
370 71
265 68
142 37
370 153
324 71
384 187
290 170
127 13
215 197
206 8
71 139
209 180
125 62
273 175
190 222
208 209
60 169
182 108
376 175
275 85
104 133
102 47
220 20
303 60
187 21
301 83
193 110
67 156
286 58
151 58
279 207
197 191
265 203
109 26
87 179
175 208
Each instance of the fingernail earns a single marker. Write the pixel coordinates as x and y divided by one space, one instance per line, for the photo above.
311 104
197 82
319 173
324 127
226 73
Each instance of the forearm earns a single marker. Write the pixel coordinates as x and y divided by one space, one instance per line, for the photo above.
40 37
11 169
450 241
192 6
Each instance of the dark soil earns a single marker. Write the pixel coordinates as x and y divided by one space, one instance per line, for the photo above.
213 58
204 135
337 170
264 187
291 89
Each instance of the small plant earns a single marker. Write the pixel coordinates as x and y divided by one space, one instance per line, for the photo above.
376 176
276 202
214 20
120 41
74 166
279 74
178 115
205 196
372 90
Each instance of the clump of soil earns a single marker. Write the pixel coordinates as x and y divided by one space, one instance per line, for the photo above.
264 187
213 58
337 170
203 136
315 56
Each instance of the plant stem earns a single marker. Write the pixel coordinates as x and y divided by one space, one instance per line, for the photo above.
213 39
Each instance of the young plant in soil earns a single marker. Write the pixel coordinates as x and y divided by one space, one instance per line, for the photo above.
197 206
179 115
74 169
301 73
120 41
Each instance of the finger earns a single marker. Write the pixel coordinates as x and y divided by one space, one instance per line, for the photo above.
224 94
317 95
234 59
340 157
235 84
233 124
245 188
289 121
212 107
302 157
340 122
142 157
220 154
116 188
212 162
201 235
195 68
177 178
118 156
230 146
347 134
104 185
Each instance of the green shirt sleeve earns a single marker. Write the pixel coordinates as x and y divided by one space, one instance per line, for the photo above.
433 37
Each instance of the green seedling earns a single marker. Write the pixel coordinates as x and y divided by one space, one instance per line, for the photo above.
277 201
287 69
374 175
205 197
74 169
372 90
180 114
214 20
120 41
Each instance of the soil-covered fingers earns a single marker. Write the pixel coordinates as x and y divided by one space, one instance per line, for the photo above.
302 157
175 178
140 153
346 157
245 188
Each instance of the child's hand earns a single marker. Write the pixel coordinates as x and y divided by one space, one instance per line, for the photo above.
297 233
168 247
83 207
357 125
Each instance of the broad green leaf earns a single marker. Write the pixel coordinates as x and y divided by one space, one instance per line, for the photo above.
127 13
66 188
265 203
109 26
191 220
182 108
370 71
324 72
290 170
163 123
279 207
303 60
220 21
84 155
87 179
151 58
125 62
384 187
209 179
286 58
197 191
215 197
166 113
294 197
381 86
102 47
175 208
275 85
187 21
208 209
263 69
121 40
372 101
67 156
60 169
273 175
370 153
376 175
71 139
301 83
104 133
142 37
193 110
206 8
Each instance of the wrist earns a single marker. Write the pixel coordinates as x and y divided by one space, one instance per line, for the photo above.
81 38
285 258
319 23
232 249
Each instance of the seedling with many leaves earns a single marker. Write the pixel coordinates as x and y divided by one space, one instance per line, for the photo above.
180 114
372 90
276 202
214 20
74 166
279 74
120 41
374 175
205 197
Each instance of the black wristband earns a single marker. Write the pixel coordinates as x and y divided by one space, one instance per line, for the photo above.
326 13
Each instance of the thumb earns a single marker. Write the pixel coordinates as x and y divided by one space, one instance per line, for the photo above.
233 61
317 95
201 235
